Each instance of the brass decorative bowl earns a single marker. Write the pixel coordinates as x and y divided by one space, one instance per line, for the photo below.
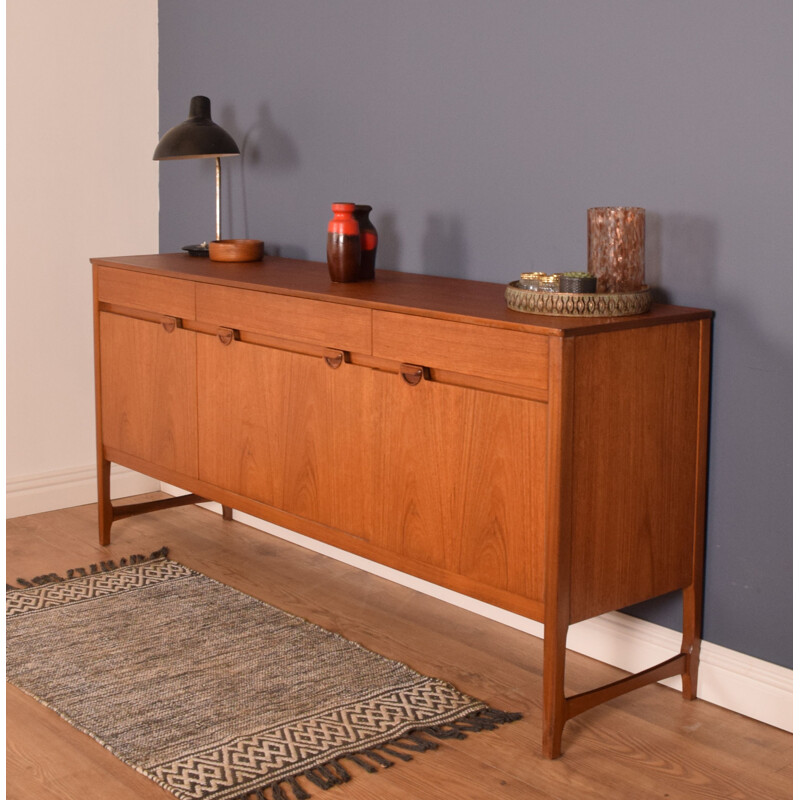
563 304
236 250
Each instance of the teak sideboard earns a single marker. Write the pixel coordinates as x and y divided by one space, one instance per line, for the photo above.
551 466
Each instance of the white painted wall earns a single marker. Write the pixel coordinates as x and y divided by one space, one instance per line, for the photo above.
82 122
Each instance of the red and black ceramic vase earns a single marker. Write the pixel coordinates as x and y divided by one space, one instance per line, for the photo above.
344 244
369 242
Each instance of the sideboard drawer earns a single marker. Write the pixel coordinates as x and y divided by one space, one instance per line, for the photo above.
154 293
500 355
296 318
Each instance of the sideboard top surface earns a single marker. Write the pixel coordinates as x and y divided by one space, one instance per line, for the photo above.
411 293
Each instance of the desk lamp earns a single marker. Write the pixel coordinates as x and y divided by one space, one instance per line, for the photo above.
198 137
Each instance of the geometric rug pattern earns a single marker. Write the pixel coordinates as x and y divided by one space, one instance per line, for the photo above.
215 695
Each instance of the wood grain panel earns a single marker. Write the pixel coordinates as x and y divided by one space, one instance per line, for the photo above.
149 391
508 356
288 431
146 292
461 479
502 527
241 436
635 442
312 321
344 540
350 396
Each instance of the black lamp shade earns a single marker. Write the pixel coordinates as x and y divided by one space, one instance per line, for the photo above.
196 137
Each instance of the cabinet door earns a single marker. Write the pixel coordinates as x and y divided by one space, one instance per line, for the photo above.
149 392
461 477
285 429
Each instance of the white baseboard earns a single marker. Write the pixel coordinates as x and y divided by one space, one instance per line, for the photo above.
48 491
749 686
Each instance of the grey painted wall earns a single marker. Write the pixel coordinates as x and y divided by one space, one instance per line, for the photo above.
481 132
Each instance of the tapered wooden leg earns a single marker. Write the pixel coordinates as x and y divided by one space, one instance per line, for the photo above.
553 698
558 547
227 513
693 594
105 512
692 621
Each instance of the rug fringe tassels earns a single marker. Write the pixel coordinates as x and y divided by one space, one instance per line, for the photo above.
331 774
81 572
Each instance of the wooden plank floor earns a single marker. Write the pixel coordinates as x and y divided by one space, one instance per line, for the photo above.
649 744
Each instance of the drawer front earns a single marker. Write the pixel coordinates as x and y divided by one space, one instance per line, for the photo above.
138 290
294 318
501 355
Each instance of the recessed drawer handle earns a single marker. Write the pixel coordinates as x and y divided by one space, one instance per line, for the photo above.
412 374
169 324
226 335
334 358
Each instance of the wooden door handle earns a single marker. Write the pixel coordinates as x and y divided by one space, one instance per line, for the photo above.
169 324
226 335
412 374
334 358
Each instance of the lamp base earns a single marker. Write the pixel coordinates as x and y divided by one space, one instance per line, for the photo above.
200 250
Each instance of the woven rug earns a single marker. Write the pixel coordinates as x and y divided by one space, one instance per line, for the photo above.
213 694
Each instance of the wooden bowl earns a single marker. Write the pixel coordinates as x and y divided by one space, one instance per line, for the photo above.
236 250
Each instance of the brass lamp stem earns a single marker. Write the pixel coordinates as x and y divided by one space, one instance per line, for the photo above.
219 201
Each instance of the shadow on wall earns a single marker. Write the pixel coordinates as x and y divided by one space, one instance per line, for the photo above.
269 147
265 148
388 242
444 246
682 249
285 251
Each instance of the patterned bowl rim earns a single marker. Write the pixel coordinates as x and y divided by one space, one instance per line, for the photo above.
578 304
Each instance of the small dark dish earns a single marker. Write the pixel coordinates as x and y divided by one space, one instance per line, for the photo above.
198 250
577 284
